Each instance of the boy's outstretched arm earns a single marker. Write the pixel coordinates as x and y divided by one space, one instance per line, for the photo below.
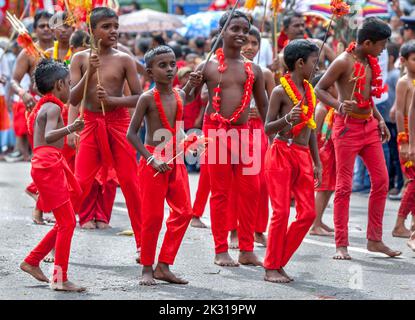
316 158
331 76
52 118
195 82
258 91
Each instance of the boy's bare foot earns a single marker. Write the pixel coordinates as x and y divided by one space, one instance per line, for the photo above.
50 219
411 244
413 223
379 246
260 238
197 223
147 278
37 217
234 242
50 258
275 276
401 232
249 258
163 273
35 272
138 259
225 260
34 196
326 227
67 286
282 271
102 225
320 231
90 225
342 254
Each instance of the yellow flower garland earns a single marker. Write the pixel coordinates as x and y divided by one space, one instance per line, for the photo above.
284 83
55 50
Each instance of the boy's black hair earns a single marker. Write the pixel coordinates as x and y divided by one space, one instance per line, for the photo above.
288 17
79 39
46 74
237 14
298 49
374 30
100 13
317 78
153 53
254 31
393 50
39 15
158 37
408 48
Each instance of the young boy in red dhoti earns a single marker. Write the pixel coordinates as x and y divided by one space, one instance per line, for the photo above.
160 178
359 129
324 121
404 91
227 125
57 185
249 51
289 161
103 142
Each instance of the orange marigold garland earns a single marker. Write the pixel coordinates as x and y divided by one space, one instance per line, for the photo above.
246 97
307 117
377 88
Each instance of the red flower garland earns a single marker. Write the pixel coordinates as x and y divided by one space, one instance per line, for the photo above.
309 100
45 99
162 114
246 98
377 88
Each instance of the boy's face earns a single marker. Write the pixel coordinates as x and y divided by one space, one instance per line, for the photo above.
307 66
43 31
236 35
410 62
107 30
164 69
63 33
251 48
296 28
374 48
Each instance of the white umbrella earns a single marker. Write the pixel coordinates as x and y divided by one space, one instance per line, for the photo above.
148 20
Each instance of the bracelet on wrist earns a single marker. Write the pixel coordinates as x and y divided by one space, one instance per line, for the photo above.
150 159
286 120
69 130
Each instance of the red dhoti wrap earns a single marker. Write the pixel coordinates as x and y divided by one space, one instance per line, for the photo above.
362 138
19 119
328 163
262 211
288 170
58 188
103 143
228 166
172 186
4 115
98 204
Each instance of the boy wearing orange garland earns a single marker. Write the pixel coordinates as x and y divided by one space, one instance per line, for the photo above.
231 81
404 91
161 180
359 129
289 160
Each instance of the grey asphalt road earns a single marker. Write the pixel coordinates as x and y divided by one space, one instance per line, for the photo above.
104 262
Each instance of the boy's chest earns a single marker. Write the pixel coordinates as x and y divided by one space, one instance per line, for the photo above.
235 74
164 111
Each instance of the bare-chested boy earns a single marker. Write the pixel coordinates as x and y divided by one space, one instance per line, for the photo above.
26 64
162 108
289 161
103 143
249 51
359 129
404 92
57 185
231 81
